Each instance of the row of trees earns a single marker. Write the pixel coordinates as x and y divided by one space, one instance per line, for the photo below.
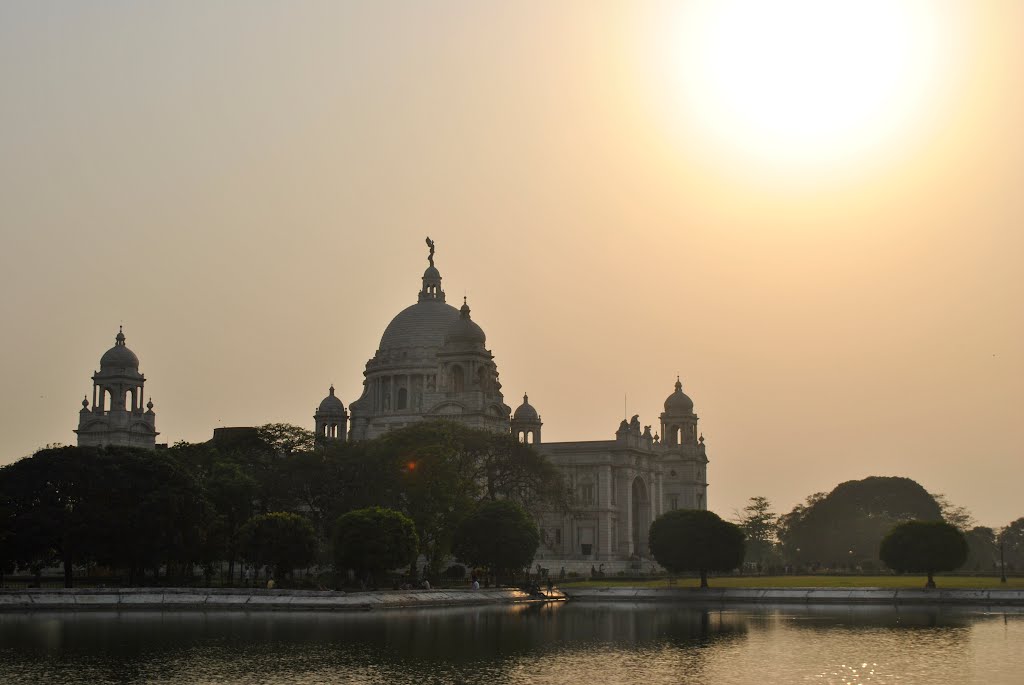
700 541
845 527
273 498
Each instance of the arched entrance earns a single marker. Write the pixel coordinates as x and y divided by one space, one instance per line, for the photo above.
640 516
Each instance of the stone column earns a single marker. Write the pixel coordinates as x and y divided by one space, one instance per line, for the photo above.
630 543
609 551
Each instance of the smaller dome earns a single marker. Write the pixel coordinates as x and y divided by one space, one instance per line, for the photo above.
331 403
464 329
678 402
526 412
432 274
119 356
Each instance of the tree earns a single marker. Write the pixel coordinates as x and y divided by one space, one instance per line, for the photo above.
1011 538
982 549
286 439
924 546
695 540
125 507
847 525
760 525
280 540
374 540
509 469
47 500
498 535
954 514
148 511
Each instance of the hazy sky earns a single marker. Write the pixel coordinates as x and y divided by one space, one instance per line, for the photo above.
821 231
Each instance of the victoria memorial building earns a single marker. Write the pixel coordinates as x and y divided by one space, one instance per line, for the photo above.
433 363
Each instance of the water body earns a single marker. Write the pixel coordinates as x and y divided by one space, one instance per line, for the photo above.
593 644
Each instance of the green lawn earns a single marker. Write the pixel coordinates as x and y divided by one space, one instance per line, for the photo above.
951 582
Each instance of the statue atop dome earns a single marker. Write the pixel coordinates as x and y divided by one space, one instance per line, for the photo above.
430 257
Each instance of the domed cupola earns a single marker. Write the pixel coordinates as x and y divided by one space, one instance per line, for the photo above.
331 418
526 422
331 402
465 331
525 410
119 356
678 422
678 402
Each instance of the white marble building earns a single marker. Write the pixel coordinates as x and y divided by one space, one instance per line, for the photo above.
432 363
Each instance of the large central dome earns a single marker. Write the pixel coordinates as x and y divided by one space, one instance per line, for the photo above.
423 324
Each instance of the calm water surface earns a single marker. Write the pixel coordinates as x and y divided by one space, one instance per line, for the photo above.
569 643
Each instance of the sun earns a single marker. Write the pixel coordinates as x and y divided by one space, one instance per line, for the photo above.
808 82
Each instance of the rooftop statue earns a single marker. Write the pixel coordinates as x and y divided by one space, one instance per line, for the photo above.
430 257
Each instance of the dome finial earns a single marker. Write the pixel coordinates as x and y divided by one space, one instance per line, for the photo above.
679 384
431 279
85 402
149 405
331 391
119 339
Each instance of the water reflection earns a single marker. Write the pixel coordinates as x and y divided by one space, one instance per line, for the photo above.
613 643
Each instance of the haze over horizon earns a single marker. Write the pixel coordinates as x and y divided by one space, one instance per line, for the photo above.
829 262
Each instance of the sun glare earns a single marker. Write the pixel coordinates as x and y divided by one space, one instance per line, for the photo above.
808 82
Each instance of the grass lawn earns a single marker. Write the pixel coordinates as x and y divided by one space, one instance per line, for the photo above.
943 582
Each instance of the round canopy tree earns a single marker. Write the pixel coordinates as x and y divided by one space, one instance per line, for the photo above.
498 535
694 540
280 540
924 546
373 540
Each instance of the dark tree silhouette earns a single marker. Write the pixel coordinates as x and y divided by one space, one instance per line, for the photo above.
846 525
694 540
373 540
924 546
280 540
498 535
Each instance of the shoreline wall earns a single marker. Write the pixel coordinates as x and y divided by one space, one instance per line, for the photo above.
164 599
881 596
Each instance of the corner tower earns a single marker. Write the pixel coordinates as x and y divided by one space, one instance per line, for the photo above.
684 460
116 416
